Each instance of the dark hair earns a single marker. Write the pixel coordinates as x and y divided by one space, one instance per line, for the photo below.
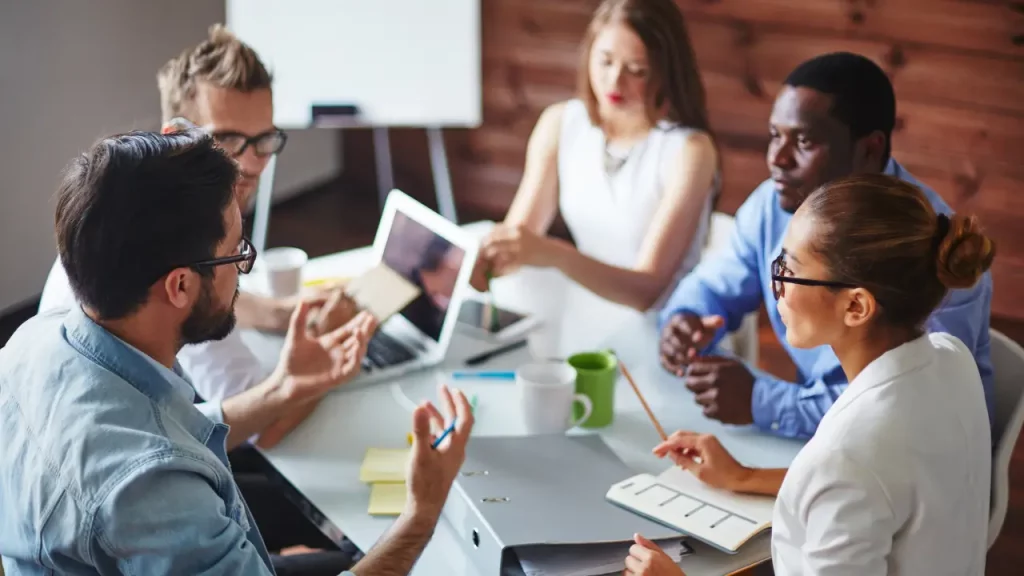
674 77
863 97
881 233
221 60
136 206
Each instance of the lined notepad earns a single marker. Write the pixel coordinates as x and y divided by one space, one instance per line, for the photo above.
383 465
387 499
677 499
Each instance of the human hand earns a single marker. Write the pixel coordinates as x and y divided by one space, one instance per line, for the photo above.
684 336
705 458
338 309
480 278
724 387
509 248
431 471
311 365
648 559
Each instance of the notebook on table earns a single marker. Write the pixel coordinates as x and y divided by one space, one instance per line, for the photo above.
677 499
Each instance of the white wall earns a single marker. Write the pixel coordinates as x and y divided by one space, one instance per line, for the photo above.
72 71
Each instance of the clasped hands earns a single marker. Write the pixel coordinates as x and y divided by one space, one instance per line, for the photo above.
724 387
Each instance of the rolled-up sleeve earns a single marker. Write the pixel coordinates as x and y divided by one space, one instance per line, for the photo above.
212 410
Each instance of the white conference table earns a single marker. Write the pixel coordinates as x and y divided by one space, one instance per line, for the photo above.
321 458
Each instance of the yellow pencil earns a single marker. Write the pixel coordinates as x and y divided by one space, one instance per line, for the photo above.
650 414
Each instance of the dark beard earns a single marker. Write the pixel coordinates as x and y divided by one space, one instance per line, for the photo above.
206 322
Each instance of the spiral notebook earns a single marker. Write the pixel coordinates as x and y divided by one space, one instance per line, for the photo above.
675 498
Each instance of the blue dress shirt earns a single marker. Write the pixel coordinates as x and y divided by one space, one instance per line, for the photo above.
735 282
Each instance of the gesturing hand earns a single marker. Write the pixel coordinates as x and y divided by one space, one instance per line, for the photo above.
431 471
704 456
648 559
312 365
684 336
338 309
724 387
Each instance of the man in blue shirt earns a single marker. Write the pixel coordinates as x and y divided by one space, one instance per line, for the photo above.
106 464
833 117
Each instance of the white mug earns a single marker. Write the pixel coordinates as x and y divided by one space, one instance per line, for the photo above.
547 391
283 270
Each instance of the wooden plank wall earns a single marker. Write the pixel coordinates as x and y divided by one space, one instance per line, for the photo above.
957 66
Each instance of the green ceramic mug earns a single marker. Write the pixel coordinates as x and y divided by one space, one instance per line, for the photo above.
596 374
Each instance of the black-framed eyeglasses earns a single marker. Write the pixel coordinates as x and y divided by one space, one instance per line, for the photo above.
244 260
264 144
780 277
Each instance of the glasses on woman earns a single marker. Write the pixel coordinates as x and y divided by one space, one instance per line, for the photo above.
244 260
781 275
263 144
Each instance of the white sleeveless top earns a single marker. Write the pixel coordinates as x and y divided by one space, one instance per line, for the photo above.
609 214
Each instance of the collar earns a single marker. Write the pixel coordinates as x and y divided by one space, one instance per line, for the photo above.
162 386
903 359
176 377
893 168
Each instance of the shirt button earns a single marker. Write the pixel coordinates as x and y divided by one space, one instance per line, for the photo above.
775 425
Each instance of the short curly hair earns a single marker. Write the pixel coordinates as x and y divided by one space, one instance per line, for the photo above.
221 60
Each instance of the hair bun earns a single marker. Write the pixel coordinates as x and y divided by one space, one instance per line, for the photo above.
964 252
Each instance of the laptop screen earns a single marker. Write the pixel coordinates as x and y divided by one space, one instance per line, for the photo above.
431 263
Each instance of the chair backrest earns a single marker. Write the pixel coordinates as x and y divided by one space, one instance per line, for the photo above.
719 232
744 341
1008 416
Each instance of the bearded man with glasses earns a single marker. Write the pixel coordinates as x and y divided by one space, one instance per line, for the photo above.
222 87
108 463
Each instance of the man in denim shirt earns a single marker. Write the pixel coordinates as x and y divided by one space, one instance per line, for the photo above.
106 465
833 117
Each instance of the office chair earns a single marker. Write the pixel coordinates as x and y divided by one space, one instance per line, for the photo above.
1008 369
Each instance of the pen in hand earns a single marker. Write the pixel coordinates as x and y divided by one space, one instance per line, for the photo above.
447 431
451 427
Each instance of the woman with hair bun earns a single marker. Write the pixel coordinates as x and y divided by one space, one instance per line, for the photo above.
896 479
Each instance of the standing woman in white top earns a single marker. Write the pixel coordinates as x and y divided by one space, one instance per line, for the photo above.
630 164
896 479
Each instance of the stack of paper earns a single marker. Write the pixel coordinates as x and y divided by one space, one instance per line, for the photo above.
384 470
587 559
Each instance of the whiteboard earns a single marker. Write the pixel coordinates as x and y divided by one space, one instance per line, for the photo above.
401 62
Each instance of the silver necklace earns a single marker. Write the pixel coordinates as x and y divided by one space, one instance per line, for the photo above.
614 162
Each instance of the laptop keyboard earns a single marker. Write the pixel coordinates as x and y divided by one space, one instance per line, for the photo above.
383 351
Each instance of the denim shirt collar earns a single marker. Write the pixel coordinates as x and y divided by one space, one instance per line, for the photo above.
142 373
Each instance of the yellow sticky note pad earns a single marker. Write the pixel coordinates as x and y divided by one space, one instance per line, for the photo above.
387 499
384 465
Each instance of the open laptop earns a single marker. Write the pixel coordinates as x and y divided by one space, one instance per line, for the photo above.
438 257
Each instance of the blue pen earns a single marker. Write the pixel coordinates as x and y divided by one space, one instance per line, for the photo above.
451 427
483 375
441 438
